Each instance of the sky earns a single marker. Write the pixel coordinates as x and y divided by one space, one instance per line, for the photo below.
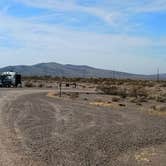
122 35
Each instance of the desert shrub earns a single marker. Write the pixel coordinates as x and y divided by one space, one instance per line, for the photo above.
151 84
83 86
74 95
99 100
120 82
123 93
133 100
116 99
163 84
142 99
49 86
40 85
29 84
161 98
138 100
143 93
122 105
109 90
151 97
139 103
113 90
160 108
133 92
138 91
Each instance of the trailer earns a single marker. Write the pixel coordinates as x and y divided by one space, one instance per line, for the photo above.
10 79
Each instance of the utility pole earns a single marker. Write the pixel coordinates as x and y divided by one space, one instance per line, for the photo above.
113 74
158 74
60 89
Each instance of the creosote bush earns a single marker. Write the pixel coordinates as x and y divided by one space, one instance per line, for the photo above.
137 91
113 90
161 99
29 84
74 95
116 99
40 85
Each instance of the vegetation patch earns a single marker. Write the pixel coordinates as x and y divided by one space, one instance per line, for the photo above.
103 104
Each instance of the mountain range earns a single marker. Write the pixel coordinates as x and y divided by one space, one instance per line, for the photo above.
56 69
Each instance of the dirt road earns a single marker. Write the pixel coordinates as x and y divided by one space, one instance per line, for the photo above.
37 130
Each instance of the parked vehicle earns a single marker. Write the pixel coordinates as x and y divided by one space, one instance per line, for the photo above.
10 79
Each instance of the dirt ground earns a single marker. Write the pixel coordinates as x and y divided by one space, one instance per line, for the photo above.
37 128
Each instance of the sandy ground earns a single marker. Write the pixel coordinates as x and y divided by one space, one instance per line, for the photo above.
37 129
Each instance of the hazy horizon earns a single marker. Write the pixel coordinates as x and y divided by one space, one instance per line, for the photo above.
128 36
155 72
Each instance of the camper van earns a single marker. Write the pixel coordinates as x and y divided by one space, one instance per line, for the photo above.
10 79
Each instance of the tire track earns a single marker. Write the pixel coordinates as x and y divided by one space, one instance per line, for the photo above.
54 132
11 148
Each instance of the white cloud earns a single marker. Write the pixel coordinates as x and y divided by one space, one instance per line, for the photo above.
34 42
153 6
116 13
71 5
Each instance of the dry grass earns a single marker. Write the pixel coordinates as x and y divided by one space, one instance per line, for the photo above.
74 95
135 91
103 104
159 110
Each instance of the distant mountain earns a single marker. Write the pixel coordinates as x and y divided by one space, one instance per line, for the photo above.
55 69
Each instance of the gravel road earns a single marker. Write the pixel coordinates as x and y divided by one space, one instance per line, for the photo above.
37 130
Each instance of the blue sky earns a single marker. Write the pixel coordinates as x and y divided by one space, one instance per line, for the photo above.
128 35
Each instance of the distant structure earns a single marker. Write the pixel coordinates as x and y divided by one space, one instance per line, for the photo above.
158 74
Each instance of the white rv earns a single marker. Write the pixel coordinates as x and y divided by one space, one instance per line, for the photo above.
10 79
